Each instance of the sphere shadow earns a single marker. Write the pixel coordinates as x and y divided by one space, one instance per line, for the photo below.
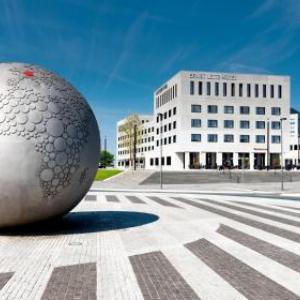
83 222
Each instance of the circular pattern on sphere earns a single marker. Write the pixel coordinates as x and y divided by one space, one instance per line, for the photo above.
49 121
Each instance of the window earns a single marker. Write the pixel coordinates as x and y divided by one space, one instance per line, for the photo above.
224 89
200 88
260 139
212 109
260 110
162 161
232 90
208 88
276 139
156 161
279 91
244 124
216 88
168 160
196 108
192 87
276 111
174 125
240 90
169 140
228 109
165 115
174 138
244 138
174 110
170 113
195 123
256 90
248 90
276 125
212 138
151 161
272 90
264 90
212 123
228 123
244 110
260 124
196 137
170 126
228 138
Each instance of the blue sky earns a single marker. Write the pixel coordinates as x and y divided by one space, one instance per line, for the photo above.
118 52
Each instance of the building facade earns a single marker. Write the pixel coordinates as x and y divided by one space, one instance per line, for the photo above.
208 120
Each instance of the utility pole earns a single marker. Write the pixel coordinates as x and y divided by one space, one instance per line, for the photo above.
282 163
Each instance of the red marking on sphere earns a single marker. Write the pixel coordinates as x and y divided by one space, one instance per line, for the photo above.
28 73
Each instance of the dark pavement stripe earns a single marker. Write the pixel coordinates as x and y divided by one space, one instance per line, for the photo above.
269 208
158 279
256 224
163 202
72 282
282 256
111 198
254 213
290 207
90 198
249 282
4 278
135 199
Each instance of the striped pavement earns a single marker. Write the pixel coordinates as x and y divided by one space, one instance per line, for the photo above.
159 246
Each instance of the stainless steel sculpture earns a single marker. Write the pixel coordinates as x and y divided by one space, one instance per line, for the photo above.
49 145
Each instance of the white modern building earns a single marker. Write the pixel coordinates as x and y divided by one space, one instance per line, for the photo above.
206 120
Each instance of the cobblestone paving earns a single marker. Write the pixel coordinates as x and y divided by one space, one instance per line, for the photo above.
158 279
111 247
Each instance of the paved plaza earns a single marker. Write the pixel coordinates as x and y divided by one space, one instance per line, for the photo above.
117 245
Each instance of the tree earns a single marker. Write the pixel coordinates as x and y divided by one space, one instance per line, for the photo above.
131 129
106 158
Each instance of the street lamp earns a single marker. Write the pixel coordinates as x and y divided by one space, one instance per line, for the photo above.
160 116
281 139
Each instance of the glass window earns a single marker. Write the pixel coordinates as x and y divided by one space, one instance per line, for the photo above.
276 111
256 90
228 109
170 113
272 90
174 125
212 138
244 110
174 110
212 109
212 123
244 138
276 139
228 123
260 124
208 88
196 137
216 88
279 91
240 90
228 138
248 90
192 87
276 125
224 89
232 90
168 160
196 123
260 110
174 138
196 108
200 87
245 124
264 90
260 139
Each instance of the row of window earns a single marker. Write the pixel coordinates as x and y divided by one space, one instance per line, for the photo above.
244 124
138 150
166 127
244 110
242 90
229 138
155 161
166 96
167 140
294 147
166 114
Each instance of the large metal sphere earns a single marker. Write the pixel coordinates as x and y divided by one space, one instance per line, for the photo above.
49 145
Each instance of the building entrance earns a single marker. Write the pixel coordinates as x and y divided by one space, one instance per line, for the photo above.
194 160
275 160
259 161
211 160
244 161
227 159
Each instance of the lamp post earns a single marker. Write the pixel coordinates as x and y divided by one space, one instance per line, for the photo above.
160 116
281 139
